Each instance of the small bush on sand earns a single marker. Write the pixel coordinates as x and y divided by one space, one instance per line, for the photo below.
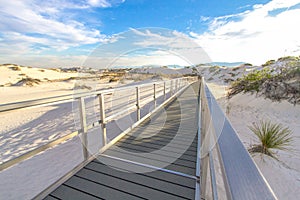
271 136
269 62
15 68
213 69
27 82
81 87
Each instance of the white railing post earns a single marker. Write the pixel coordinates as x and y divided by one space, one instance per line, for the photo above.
179 84
164 90
138 111
154 94
171 87
84 140
102 115
176 85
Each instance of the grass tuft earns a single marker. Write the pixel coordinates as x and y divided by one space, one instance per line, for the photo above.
271 136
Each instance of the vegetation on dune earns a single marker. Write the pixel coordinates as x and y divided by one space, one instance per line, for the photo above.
276 83
27 81
78 86
250 82
289 58
271 136
214 68
270 62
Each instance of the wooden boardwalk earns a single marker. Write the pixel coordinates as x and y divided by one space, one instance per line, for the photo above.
156 160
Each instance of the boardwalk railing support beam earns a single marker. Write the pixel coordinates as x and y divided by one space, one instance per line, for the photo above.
154 94
138 110
165 90
102 115
83 128
171 87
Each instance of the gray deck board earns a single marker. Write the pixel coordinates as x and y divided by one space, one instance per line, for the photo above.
150 181
68 193
166 139
162 140
98 188
151 148
156 160
151 157
157 174
51 198
127 185
156 145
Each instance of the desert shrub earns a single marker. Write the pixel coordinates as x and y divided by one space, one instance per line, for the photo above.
81 86
228 80
27 82
7 64
269 62
289 58
232 74
250 82
114 79
15 68
55 69
271 136
194 70
213 69
236 68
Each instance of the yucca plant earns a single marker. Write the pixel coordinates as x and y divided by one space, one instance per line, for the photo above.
271 136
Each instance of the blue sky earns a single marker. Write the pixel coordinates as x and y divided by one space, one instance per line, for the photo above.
66 33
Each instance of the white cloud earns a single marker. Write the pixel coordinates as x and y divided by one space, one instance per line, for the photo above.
148 46
104 3
99 3
169 41
204 19
253 36
30 23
